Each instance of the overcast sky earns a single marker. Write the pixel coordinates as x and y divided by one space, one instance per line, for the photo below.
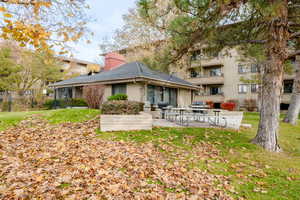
108 17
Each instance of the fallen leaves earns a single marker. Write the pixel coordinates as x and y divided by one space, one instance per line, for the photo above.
68 161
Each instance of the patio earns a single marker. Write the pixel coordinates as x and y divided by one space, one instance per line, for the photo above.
199 117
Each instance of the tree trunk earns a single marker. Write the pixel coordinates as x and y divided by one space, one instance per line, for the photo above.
294 108
276 52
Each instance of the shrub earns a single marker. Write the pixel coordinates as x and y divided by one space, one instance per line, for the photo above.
228 106
78 103
63 103
118 97
250 104
122 107
93 94
210 104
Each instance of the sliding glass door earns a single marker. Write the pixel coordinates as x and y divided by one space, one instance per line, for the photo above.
159 94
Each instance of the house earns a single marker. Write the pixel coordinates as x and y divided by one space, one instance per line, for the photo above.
136 80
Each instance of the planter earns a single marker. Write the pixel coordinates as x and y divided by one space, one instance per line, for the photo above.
142 121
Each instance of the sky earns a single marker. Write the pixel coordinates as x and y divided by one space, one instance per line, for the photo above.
107 16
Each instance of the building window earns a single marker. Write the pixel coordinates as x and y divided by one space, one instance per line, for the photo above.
196 55
254 88
288 86
215 72
194 73
243 88
254 68
119 89
215 90
242 69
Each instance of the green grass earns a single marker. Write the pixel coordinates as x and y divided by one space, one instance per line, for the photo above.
8 119
255 173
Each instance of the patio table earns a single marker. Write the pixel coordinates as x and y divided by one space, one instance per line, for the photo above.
183 110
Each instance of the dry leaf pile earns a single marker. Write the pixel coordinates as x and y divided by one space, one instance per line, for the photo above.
68 161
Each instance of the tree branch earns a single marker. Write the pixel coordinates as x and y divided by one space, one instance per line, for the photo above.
20 2
294 35
294 54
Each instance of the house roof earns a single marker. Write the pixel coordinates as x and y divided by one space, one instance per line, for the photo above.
128 72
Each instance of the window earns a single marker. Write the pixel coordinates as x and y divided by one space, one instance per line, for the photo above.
194 73
215 72
254 68
196 55
243 88
161 94
254 88
288 86
118 89
242 69
215 90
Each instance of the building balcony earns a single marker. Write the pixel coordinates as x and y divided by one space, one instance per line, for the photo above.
207 62
206 79
288 76
209 97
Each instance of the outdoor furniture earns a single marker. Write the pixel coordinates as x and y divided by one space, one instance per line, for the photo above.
185 116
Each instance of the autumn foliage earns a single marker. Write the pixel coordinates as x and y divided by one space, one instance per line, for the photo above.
93 94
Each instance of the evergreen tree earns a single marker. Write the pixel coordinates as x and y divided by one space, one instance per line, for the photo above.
273 25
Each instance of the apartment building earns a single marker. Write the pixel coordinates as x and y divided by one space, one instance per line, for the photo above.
71 67
75 67
224 77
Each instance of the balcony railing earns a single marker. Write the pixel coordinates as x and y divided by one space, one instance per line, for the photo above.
210 94
206 75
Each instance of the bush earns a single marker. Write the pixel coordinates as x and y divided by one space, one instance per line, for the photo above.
122 107
118 97
63 103
210 104
228 106
93 94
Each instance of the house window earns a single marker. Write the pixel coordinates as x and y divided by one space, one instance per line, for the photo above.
254 68
215 90
161 94
288 86
242 69
243 88
254 88
119 89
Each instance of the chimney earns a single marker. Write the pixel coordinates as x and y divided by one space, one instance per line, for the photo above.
113 60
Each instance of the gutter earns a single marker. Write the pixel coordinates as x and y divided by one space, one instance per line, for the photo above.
126 80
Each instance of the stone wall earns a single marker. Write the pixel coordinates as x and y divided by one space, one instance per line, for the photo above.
142 121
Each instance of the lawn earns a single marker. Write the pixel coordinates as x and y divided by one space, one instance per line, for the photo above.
254 173
8 119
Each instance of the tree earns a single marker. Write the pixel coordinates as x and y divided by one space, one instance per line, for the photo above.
43 23
8 68
25 70
272 24
294 108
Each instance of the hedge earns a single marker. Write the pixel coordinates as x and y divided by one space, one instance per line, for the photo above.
63 103
118 97
122 107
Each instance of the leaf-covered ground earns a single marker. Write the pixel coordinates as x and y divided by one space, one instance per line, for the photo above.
39 160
